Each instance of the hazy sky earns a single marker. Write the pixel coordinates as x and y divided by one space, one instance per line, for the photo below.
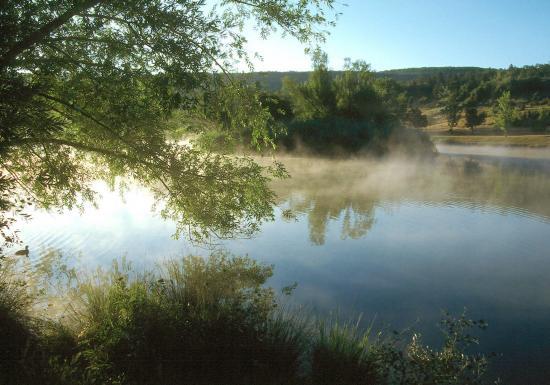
405 33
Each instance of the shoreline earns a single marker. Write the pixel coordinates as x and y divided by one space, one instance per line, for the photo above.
540 141
493 150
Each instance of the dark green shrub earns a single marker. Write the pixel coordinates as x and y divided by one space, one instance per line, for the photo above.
18 336
209 321
419 364
203 321
416 118
332 134
341 355
536 120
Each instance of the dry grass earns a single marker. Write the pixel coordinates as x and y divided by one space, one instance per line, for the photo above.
437 123
487 134
495 140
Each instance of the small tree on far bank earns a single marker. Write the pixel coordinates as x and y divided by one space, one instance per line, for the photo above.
415 117
451 108
474 118
504 112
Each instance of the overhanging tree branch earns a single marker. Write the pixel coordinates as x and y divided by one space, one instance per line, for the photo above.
41 33
77 109
93 149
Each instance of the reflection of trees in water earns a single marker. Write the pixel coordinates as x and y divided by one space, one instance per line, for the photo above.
521 188
321 206
358 217
349 191
357 224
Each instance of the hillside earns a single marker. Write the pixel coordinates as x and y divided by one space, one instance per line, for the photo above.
406 74
273 80
430 89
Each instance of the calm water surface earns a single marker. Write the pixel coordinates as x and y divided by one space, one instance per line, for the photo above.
396 240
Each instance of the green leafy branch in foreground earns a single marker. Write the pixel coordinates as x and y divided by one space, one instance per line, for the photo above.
87 88
208 321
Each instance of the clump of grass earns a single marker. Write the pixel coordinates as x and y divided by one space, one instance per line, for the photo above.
208 321
16 327
24 336
341 354
284 347
196 321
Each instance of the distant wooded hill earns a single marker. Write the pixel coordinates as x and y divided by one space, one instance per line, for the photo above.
272 81
462 88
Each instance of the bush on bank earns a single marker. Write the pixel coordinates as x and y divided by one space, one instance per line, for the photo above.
210 321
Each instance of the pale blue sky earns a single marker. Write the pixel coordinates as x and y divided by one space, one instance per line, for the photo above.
404 33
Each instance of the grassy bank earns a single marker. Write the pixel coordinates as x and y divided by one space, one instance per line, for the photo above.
487 134
203 321
533 141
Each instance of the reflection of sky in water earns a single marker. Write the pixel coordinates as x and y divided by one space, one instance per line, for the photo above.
414 259
117 227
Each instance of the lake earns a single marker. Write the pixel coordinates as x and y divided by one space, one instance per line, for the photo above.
395 240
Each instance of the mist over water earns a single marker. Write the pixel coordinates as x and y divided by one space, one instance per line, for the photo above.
394 239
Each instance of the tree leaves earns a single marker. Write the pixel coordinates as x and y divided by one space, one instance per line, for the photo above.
87 88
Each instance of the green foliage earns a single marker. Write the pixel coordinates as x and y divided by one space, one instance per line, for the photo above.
473 117
87 89
314 99
347 111
205 321
423 73
538 120
504 112
359 97
341 354
17 331
478 86
198 320
473 87
12 206
28 335
450 365
336 134
234 117
451 107
415 117
236 114
350 111
354 94
278 105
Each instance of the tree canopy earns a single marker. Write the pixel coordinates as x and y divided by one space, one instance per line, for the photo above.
451 107
505 112
87 88
351 110
473 117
